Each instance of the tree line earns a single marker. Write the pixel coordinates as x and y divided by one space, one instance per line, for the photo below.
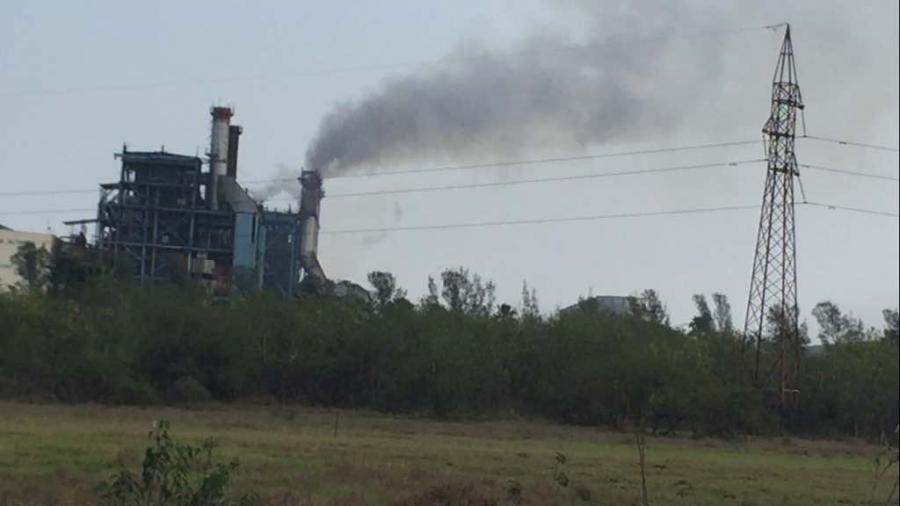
83 334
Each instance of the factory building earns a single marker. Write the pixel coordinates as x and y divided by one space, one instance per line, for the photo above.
168 218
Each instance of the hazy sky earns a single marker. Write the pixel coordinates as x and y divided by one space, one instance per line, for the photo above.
77 79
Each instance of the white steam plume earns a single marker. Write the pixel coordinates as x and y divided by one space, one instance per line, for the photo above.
283 181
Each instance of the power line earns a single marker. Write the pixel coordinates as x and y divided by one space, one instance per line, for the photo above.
539 161
546 179
480 224
501 183
832 207
597 217
501 164
591 176
510 163
514 163
848 172
851 143
835 207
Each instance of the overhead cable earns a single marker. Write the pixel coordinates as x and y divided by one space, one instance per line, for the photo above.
851 143
596 217
835 207
509 163
546 179
848 172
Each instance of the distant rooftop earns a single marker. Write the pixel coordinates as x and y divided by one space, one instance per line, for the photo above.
158 156
615 304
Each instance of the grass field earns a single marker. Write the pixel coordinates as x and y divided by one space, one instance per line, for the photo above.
52 454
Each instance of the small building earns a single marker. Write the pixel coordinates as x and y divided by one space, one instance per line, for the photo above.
10 241
614 304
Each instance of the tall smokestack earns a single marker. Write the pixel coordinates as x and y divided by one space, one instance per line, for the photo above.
218 151
234 136
310 202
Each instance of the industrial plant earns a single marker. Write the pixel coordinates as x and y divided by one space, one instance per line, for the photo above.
167 217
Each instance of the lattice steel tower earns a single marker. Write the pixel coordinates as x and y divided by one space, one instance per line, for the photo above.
772 306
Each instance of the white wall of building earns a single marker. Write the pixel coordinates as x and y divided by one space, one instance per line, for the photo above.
10 240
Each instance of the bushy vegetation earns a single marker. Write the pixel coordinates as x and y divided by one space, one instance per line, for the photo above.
454 353
174 474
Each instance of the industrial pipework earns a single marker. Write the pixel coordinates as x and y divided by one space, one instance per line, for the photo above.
218 151
310 202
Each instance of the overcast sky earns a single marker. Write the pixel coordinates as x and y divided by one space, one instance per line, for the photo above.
77 79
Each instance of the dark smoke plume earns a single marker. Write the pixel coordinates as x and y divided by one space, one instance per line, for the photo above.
548 94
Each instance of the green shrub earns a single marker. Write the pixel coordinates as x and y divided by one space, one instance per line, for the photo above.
174 474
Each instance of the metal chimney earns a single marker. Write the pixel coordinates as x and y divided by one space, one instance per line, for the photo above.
234 136
218 151
310 202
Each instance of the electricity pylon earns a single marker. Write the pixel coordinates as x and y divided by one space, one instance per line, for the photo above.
772 311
